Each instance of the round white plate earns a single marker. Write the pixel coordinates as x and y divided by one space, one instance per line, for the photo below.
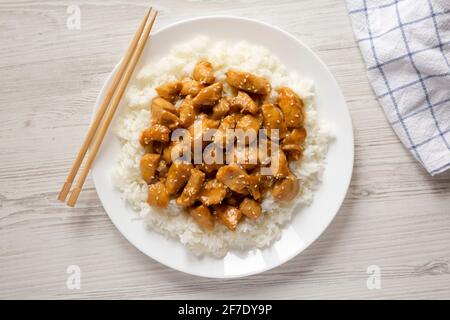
308 223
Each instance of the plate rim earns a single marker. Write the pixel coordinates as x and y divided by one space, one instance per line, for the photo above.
351 138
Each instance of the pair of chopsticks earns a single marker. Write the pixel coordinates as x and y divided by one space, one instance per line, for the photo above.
109 105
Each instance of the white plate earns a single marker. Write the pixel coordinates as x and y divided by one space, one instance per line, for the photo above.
307 224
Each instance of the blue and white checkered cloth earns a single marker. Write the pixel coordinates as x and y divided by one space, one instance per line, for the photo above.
406 46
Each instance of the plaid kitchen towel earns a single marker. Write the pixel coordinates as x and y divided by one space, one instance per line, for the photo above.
406 46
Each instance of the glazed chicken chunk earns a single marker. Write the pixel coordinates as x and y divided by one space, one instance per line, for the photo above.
187 112
292 144
234 177
248 82
273 119
165 118
198 130
169 90
292 107
279 165
191 191
245 156
156 132
250 208
149 165
244 102
254 185
228 215
158 195
175 151
177 176
203 217
209 168
286 189
228 123
250 125
159 104
203 72
209 96
221 109
190 87
213 192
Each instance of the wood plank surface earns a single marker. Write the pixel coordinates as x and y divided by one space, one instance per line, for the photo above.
395 215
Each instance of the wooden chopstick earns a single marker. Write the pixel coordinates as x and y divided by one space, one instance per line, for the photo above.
110 112
101 111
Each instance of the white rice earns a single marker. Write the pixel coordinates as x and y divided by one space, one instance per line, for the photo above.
174 221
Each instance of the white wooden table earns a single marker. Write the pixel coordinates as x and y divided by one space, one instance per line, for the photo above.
395 216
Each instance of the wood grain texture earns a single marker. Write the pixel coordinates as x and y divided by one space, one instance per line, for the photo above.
395 215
